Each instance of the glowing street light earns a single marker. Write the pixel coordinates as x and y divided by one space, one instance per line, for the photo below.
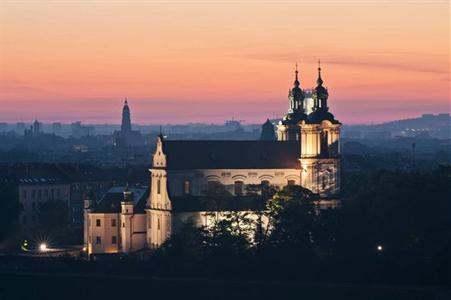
380 248
43 247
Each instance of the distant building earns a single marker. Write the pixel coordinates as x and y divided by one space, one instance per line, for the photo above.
37 185
79 130
57 128
3 127
268 133
127 137
35 130
307 153
20 128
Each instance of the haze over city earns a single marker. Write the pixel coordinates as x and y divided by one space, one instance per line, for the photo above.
185 61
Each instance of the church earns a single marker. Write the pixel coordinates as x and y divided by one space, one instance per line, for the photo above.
306 152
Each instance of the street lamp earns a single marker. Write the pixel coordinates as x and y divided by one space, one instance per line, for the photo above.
380 248
43 247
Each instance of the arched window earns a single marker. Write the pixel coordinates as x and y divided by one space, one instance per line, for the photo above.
291 182
265 183
239 187
186 187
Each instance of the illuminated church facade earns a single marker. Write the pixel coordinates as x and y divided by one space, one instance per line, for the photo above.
306 153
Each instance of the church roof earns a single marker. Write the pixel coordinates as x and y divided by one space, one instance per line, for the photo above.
232 154
111 201
320 115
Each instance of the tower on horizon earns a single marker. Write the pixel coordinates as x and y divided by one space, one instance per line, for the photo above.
126 125
127 137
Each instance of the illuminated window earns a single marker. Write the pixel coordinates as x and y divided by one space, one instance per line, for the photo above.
186 187
291 182
98 240
98 224
113 222
113 239
238 187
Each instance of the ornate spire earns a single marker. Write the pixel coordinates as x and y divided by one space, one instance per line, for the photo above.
296 80
319 81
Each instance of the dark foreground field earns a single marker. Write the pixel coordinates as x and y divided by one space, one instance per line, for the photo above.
23 286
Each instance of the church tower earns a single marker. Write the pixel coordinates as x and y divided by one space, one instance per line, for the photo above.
288 128
126 126
320 148
158 208
268 133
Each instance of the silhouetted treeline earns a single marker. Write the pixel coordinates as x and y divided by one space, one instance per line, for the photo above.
394 227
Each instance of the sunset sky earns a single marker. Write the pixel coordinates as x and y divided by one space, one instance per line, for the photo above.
208 61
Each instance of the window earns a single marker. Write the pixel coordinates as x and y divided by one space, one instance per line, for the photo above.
52 193
149 222
98 224
123 224
46 193
158 225
33 193
186 187
113 239
98 240
238 188
113 222
265 183
324 147
39 193
291 182
33 206
158 186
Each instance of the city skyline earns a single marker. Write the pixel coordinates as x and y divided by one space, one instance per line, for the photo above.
186 61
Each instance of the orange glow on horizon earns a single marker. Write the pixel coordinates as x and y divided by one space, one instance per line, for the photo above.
207 61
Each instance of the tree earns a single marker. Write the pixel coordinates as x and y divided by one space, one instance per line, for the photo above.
10 208
292 215
54 220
